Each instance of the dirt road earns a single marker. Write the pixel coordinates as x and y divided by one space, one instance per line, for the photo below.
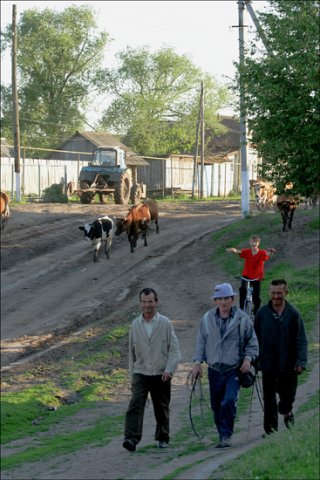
50 284
51 288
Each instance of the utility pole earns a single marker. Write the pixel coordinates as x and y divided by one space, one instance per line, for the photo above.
195 158
15 106
245 203
202 141
258 27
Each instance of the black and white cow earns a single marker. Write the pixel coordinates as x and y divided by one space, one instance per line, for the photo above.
100 231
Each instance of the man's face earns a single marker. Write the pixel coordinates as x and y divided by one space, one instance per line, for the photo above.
277 294
224 304
148 304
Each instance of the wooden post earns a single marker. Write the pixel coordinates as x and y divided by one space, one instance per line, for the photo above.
194 179
202 140
15 108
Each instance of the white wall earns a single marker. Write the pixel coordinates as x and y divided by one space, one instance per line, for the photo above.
37 174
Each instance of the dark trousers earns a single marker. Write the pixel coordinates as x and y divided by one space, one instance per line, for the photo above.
283 384
224 392
160 394
256 300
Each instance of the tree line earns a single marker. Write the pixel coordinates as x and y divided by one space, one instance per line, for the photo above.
153 96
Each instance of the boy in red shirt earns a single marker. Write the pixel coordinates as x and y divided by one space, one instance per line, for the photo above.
254 259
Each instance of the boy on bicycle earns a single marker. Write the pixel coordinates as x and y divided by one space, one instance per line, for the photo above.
253 269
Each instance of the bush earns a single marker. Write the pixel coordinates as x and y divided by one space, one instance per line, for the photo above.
54 194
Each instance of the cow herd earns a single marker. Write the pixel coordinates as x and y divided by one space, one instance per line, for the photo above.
286 203
137 221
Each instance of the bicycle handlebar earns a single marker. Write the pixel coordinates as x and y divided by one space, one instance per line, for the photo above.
240 277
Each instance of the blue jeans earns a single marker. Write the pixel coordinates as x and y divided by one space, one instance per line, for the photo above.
224 393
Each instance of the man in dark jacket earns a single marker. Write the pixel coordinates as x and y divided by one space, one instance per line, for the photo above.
283 352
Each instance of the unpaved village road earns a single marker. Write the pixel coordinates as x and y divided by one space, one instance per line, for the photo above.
50 286
52 290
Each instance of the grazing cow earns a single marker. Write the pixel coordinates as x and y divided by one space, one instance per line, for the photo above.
264 194
137 220
287 205
100 231
4 208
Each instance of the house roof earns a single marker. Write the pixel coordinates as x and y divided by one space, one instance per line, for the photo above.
221 146
99 139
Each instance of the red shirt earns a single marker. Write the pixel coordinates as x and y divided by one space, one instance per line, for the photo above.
253 264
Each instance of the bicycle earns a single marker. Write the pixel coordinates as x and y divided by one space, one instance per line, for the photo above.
248 304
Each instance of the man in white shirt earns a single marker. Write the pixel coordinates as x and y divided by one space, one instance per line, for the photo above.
153 358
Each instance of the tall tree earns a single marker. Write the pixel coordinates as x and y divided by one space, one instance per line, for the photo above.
156 100
59 54
282 94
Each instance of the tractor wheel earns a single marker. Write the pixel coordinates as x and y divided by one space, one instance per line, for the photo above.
85 197
136 193
122 190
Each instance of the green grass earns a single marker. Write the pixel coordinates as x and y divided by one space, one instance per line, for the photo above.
104 430
288 455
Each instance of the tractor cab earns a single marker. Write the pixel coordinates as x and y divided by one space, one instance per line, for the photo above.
109 157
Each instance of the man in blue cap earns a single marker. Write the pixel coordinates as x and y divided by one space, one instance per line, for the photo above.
218 344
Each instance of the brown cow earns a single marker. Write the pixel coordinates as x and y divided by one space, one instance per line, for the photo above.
137 220
4 208
287 205
264 194
154 211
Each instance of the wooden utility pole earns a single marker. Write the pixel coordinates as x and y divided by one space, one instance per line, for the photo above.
202 141
195 158
15 105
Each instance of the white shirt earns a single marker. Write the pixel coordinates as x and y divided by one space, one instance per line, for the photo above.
149 326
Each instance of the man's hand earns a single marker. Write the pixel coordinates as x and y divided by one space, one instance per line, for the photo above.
245 367
166 376
299 369
196 371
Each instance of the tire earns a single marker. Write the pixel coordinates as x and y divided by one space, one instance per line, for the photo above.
122 190
135 195
85 197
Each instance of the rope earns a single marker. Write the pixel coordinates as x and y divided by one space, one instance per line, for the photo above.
200 400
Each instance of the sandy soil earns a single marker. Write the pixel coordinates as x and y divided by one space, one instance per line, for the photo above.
50 289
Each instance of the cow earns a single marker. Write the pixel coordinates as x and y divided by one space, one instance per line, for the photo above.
287 205
100 231
154 211
136 221
265 194
4 208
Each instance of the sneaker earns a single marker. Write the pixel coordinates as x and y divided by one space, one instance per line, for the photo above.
129 445
289 420
163 445
224 442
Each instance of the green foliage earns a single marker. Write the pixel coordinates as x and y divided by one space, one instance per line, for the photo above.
156 100
282 94
53 194
58 57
